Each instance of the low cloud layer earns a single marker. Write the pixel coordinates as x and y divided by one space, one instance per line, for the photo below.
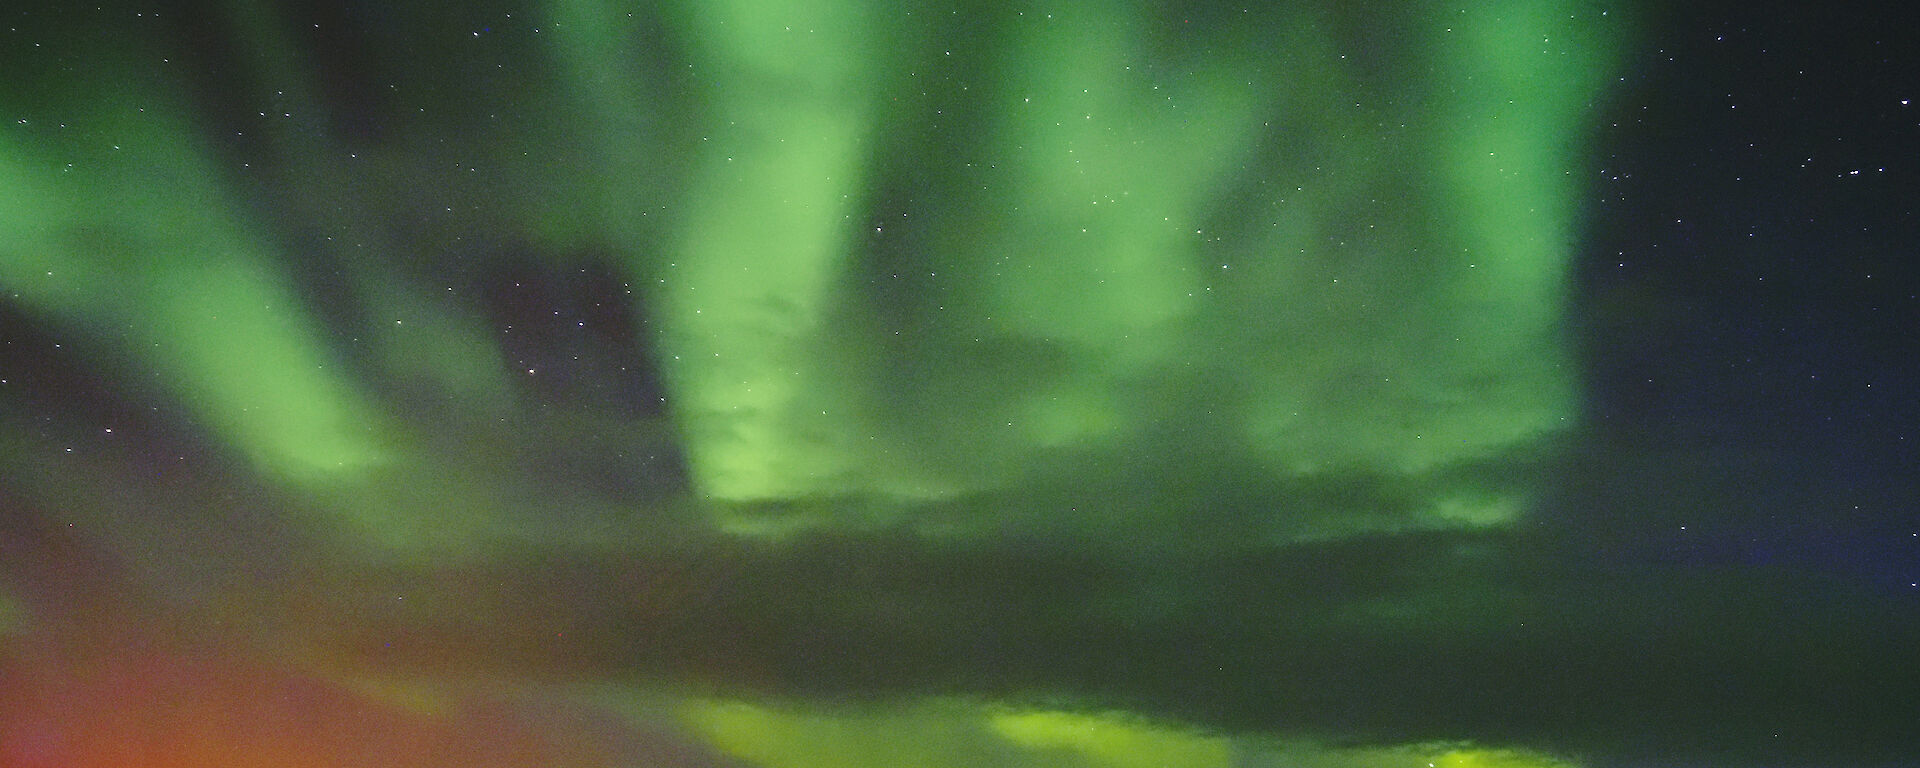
688 383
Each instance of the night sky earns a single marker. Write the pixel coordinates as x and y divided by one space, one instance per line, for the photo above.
844 383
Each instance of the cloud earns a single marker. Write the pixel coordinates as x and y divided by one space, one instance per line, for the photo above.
1137 389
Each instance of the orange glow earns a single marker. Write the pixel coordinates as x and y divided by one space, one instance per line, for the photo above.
161 709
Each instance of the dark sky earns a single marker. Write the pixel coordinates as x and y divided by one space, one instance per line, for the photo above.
972 383
1749 286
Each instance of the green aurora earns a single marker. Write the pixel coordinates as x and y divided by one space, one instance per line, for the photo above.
907 256
1023 363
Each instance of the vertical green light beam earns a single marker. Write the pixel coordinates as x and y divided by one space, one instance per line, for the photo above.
762 237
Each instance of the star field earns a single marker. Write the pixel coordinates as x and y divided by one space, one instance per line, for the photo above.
764 383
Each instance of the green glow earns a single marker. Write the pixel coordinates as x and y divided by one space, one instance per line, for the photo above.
1112 164
1112 740
1264 245
423 341
248 358
937 732
948 733
931 734
1111 161
751 273
1433 334
1202 277
1527 74
1331 263
134 242
1496 758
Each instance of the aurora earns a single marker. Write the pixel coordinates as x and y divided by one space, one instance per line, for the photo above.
796 383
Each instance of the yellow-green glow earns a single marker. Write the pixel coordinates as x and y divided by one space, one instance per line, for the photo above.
941 733
932 734
1112 741
1496 758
